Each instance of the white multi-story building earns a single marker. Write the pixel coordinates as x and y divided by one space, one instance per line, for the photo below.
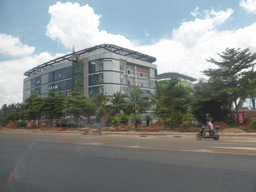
103 68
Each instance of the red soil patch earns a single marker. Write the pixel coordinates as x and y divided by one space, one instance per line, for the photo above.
12 125
232 130
186 130
222 124
157 125
250 130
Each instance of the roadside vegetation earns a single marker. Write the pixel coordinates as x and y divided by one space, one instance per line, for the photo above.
222 93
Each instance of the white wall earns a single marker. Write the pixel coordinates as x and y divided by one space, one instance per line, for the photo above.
110 89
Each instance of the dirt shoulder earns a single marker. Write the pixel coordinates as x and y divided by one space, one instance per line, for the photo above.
127 129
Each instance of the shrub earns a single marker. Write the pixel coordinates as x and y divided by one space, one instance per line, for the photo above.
253 124
230 121
148 119
124 118
136 119
21 124
116 119
109 121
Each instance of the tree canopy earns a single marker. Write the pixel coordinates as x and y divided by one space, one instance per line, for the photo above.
173 101
78 105
230 83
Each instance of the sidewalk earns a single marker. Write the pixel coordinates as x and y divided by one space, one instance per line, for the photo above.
125 133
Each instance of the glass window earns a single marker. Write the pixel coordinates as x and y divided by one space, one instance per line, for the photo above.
69 84
93 91
33 82
56 75
38 81
152 83
38 90
92 66
94 79
122 78
64 85
50 87
101 65
32 91
54 87
97 65
101 89
122 65
152 73
68 72
101 78
50 77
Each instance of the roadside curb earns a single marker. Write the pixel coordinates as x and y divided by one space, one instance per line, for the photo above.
128 133
177 133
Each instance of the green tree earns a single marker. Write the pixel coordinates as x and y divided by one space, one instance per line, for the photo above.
231 77
101 99
33 107
101 114
9 117
118 102
48 107
77 105
137 104
59 103
218 107
148 119
89 110
20 110
173 102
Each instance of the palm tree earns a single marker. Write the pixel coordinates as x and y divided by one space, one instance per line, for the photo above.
138 103
118 101
101 99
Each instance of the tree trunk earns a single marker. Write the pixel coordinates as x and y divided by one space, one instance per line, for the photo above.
173 122
236 108
51 122
253 103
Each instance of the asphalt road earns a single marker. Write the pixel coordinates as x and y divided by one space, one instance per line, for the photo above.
54 162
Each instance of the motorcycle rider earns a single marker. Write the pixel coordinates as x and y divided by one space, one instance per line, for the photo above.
210 125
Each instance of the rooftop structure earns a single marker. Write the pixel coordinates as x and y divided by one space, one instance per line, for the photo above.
113 48
170 75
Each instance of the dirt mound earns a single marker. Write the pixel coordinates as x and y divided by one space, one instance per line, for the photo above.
186 130
157 125
222 124
232 130
131 126
250 130
11 125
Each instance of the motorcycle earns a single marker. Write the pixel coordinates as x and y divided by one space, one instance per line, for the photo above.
214 134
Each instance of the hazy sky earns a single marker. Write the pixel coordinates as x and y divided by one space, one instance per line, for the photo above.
181 34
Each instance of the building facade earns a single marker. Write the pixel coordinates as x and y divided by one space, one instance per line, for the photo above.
104 68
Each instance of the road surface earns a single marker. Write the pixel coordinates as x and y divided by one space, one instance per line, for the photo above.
65 162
